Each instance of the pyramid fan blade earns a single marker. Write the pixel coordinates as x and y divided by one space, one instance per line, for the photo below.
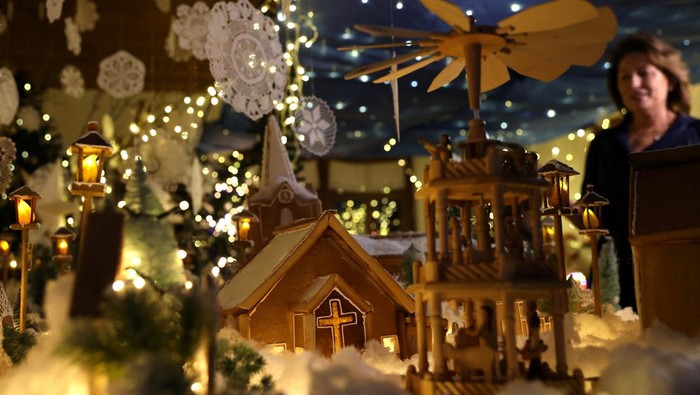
422 44
386 63
408 69
532 66
548 16
493 73
580 55
387 31
448 12
449 73
600 29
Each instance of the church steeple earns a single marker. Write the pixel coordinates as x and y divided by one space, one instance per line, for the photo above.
275 161
280 199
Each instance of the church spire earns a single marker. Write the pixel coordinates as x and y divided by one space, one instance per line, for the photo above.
275 161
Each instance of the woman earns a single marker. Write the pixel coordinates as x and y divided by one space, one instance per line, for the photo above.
649 83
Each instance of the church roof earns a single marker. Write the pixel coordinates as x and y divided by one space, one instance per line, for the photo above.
249 286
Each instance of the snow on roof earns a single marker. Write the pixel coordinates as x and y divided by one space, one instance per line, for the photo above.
261 267
383 246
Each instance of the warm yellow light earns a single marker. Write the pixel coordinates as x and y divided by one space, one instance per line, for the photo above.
590 221
244 228
62 247
4 246
24 212
90 168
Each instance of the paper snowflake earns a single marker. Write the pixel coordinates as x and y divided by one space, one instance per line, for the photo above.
8 153
53 9
72 81
245 58
86 15
9 96
163 6
121 75
191 28
315 125
73 38
31 119
173 49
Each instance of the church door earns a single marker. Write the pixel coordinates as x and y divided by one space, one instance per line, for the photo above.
339 323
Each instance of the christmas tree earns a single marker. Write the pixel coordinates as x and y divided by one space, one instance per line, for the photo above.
609 281
150 247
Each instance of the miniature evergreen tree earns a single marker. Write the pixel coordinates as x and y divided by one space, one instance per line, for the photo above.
150 246
609 280
574 295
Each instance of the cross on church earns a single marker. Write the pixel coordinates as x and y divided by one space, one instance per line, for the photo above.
336 321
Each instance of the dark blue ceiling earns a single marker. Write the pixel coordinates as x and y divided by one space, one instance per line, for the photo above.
578 97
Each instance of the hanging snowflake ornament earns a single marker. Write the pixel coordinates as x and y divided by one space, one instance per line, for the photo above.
9 96
53 9
121 75
86 15
31 119
191 28
168 161
173 49
72 81
73 38
315 125
245 58
8 153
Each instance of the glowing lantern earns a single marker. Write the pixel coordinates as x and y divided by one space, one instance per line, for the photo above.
591 204
25 205
243 221
92 149
557 197
61 241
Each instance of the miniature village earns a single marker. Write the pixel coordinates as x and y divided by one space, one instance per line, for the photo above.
122 275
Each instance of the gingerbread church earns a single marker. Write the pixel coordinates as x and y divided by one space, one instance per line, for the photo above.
313 287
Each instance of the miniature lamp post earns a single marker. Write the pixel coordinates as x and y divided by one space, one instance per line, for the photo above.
5 252
61 241
25 204
92 150
242 222
591 204
556 203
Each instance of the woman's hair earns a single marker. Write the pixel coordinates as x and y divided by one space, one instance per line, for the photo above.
664 57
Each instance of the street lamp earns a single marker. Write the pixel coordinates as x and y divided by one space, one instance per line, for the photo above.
61 243
591 204
25 204
556 203
92 149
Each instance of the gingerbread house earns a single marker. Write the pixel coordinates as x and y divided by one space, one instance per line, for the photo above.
280 199
313 287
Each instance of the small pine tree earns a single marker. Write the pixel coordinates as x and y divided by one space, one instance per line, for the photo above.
609 278
238 363
149 241
574 295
